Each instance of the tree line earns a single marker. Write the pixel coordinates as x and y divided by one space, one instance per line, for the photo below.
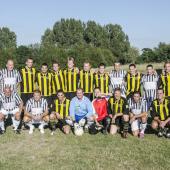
83 41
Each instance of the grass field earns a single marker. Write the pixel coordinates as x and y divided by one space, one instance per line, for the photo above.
46 152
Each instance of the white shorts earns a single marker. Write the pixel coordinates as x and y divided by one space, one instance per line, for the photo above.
6 113
135 125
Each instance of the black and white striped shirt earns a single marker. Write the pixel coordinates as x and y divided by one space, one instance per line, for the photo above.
9 79
117 80
9 103
137 107
36 107
149 83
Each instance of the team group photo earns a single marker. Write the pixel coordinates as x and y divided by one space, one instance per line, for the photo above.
84 85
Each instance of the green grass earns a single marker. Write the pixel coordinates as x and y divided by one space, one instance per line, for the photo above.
46 152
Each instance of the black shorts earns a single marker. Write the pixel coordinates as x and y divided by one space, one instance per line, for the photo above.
119 121
61 124
25 97
70 95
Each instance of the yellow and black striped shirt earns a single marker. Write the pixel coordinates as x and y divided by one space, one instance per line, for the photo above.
165 83
86 81
28 80
61 108
118 106
102 81
44 82
71 78
57 81
133 82
161 110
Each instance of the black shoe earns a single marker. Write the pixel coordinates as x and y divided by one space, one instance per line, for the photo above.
124 135
2 132
161 132
17 131
168 133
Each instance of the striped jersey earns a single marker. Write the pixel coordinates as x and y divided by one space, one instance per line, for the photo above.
86 81
165 83
149 83
117 79
102 81
117 106
137 107
10 79
28 80
57 81
36 107
44 82
161 110
133 82
9 103
61 107
71 78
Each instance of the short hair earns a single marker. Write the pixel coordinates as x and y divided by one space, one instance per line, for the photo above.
97 88
29 58
10 59
79 89
167 62
149 65
136 92
117 89
55 62
70 59
160 89
101 64
86 62
44 64
60 91
132 65
115 63
37 91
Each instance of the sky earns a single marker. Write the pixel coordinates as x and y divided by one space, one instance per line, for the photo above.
146 22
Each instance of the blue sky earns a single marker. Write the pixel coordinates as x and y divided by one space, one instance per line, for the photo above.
146 22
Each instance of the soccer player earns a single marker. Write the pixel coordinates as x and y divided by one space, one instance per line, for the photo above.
117 77
100 106
71 78
138 114
10 77
118 110
164 81
102 80
57 79
149 82
36 112
81 108
11 105
160 112
87 80
133 80
28 74
60 113
44 81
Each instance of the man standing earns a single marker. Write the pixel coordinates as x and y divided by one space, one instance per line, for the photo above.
117 78
10 77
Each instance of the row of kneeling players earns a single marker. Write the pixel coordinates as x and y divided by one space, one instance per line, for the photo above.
109 115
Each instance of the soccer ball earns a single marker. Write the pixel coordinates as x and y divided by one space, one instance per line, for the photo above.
78 130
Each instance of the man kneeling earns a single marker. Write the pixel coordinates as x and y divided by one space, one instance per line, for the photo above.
59 116
36 112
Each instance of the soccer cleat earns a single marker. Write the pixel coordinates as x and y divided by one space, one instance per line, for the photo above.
124 135
42 130
168 133
31 130
161 132
52 132
2 131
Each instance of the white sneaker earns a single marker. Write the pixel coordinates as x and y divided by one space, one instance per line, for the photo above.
31 130
41 128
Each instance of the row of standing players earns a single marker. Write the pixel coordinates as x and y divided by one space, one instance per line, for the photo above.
49 83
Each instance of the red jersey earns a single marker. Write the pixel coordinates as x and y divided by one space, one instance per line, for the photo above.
100 107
